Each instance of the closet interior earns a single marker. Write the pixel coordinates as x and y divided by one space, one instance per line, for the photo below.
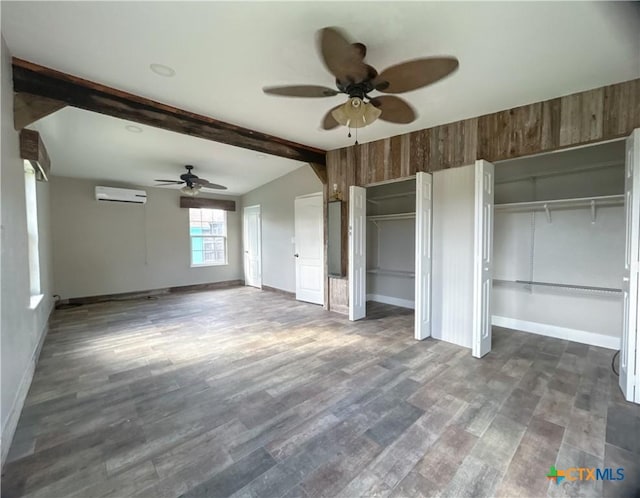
559 235
391 213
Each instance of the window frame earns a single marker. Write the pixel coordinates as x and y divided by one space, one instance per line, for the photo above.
33 234
205 236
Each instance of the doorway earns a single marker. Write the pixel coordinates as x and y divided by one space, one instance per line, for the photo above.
567 248
252 243
390 250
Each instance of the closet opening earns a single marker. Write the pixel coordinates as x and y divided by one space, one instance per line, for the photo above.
390 249
559 244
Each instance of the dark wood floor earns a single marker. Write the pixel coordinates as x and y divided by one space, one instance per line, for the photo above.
249 393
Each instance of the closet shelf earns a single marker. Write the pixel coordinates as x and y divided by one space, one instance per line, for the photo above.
392 273
561 286
387 217
578 202
375 199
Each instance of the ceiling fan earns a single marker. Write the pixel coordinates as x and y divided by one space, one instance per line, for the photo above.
192 183
355 78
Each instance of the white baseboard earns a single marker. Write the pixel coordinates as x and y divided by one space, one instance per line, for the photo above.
9 429
591 338
395 301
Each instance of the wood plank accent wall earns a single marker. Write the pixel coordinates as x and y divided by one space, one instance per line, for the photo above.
203 202
587 117
592 116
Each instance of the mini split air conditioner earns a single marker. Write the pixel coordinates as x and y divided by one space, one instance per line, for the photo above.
110 194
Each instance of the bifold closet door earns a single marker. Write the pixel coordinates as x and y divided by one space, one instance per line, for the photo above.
424 207
629 352
482 258
357 253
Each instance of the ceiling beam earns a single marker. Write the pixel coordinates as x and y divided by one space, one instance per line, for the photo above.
29 108
321 172
33 150
70 90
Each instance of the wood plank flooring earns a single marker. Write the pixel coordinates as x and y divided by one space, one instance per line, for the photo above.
244 393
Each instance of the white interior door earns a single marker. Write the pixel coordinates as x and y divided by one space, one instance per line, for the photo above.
357 253
482 258
629 353
424 208
309 247
252 242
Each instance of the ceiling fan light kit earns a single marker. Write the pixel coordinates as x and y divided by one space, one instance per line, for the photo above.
192 190
356 113
353 77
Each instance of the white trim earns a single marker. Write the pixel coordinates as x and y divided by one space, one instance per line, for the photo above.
35 301
395 301
305 196
582 336
11 423
204 236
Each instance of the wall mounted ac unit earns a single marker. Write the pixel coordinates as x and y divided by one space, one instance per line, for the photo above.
110 194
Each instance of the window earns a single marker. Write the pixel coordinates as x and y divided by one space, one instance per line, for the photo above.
208 232
32 228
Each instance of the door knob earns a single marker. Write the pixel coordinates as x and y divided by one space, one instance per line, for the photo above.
296 255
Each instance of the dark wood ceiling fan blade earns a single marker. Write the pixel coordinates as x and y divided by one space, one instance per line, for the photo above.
414 74
169 182
312 91
329 122
394 109
207 184
343 59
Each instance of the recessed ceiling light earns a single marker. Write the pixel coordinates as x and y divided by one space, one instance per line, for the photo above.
262 156
162 70
133 128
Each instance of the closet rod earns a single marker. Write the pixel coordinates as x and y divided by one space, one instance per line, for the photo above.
569 286
602 200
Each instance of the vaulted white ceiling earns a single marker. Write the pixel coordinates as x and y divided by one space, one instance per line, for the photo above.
224 53
93 146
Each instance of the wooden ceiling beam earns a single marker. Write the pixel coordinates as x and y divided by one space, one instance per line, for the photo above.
33 150
321 172
40 81
28 109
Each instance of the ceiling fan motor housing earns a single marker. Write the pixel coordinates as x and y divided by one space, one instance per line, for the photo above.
359 90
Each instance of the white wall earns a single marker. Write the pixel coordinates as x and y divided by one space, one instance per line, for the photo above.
453 241
571 249
22 328
110 248
391 244
277 202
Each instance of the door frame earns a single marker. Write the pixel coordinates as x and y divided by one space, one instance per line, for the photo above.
323 280
244 242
